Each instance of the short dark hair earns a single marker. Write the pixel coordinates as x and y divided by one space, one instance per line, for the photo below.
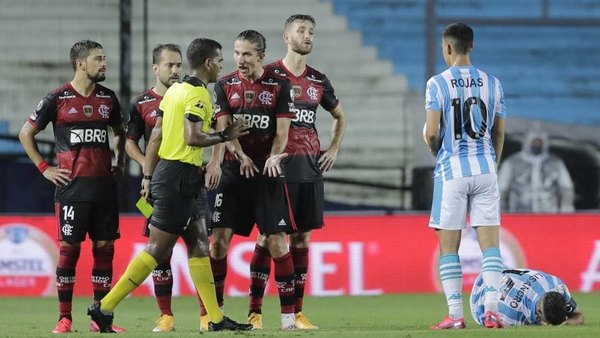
81 50
554 308
299 17
160 47
462 36
201 49
259 41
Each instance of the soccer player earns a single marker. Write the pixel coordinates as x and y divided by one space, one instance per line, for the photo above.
177 182
303 166
143 112
86 191
465 131
252 188
529 297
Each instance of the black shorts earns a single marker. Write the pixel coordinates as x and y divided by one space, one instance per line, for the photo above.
99 219
239 204
306 199
178 195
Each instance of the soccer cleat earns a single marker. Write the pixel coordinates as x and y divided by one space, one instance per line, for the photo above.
256 320
100 322
165 323
449 323
204 323
492 320
288 322
228 325
95 328
63 326
303 323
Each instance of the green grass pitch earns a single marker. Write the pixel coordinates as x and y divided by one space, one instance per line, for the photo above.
405 316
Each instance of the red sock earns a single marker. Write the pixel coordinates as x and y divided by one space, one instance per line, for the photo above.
65 279
260 268
300 259
102 270
162 276
219 269
284 278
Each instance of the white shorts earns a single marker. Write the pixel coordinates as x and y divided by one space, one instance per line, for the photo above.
452 200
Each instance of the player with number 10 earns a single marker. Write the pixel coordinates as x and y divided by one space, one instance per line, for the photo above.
465 132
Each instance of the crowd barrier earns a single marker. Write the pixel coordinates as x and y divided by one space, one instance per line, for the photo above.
352 255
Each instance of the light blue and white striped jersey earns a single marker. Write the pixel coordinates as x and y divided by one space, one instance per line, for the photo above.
468 99
520 290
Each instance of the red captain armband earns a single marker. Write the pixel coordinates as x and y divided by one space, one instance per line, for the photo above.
42 166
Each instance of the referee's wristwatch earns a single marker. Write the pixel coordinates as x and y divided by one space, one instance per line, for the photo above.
223 135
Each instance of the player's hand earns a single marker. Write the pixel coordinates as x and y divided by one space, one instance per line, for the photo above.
212 178
273 165
327 160
145 189
238 128
58 176
117 172
247 167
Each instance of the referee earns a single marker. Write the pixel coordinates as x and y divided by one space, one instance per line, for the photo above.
173 167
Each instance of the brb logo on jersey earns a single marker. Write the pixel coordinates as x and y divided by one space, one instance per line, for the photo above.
27 261
254 121
89 136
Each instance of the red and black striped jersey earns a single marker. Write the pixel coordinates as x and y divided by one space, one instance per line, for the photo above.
143 112
80 126
311 89
260 104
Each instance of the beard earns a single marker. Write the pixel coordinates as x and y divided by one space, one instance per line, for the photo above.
301 49
97 77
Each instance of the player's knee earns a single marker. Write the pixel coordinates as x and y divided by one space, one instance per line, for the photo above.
220 246
300 239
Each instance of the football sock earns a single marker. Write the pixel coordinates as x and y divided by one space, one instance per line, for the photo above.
452 276
491 272
260 268
102 270
65 279
219 272
284 278
162 277
204 282
137 271
300 259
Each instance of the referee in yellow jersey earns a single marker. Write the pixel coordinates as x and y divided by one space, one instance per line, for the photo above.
173 180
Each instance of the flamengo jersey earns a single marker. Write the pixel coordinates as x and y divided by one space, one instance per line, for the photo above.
260 104
520 290
469 100
310 89
188 97
81 136
143 112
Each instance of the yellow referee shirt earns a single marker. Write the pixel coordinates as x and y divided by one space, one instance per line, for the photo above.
188 97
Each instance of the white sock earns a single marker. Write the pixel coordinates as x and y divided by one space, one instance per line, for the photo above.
452 276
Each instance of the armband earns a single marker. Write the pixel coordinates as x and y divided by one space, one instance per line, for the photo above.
148 177
42 166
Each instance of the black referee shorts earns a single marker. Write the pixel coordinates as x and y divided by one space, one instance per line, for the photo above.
178 195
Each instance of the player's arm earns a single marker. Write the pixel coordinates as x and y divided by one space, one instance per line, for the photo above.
119 141
272 165
134 151
432 132
247 167
58 176
213 168
135 127
338 128
151 158
498 136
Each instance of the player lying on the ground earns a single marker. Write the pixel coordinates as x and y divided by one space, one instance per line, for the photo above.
529 297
